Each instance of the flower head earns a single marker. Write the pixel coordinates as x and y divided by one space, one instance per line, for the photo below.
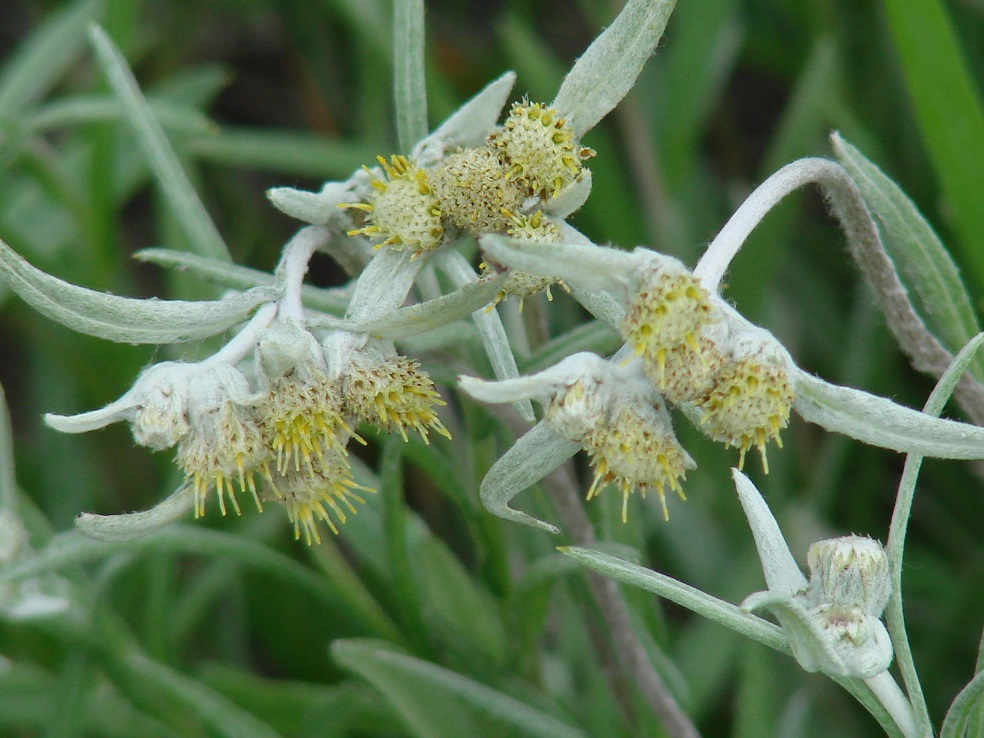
534 227
474 192
322 490
666 313
539 149
403 211
751 396
225 446
394 393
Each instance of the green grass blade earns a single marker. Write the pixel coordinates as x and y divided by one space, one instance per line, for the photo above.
949 113
433 700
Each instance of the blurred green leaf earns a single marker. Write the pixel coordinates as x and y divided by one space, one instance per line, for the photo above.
948 108
438 703
965 718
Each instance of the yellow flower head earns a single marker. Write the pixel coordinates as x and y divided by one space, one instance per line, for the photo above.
323 490
539 149
666 313
224 448
394 394
474 191
752 395
622 424
301 417
403 212
635 450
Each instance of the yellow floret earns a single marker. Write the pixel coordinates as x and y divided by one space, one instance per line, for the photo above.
321 491
667 312
224 451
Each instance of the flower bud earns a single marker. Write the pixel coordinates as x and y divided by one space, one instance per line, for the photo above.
849 572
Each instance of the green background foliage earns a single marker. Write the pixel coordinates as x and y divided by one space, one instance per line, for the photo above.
427 616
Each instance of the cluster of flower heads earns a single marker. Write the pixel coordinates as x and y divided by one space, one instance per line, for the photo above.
734 376
683 345
493 188
274 423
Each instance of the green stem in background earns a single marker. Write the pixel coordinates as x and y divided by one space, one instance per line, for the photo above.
894 615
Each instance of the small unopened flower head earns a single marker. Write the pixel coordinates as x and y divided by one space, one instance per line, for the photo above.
474 192
393 393
849 572
224 448
301 414
622 424
752 396
666 312
403 212
321 491
539 149
520 284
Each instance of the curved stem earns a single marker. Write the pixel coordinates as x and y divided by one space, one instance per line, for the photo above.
885 688
294 265
244 341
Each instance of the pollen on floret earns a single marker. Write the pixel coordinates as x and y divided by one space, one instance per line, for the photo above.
394 394
474 192
667 312
403 211
748 406
324 491
533 227
635 451
224 451
301 416
539 149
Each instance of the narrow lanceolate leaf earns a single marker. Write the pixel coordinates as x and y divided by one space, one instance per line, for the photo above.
881 422
430 698
409 88
181 196
782 574
607 70
537 453
8 480
426 316
964 719
124 319
234 276
585 265
127 526
693 599
917 251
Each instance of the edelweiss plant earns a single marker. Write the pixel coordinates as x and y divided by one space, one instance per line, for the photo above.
437 237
